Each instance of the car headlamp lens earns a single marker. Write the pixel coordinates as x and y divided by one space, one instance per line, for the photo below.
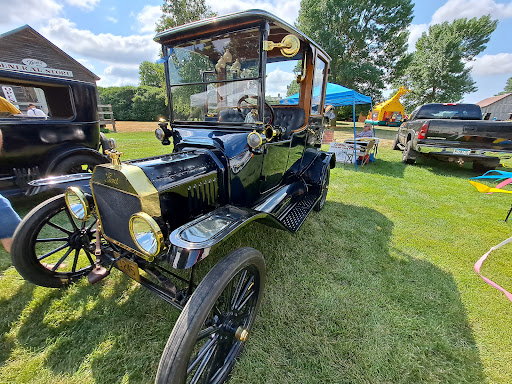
254 140
77 203
160 134
146 234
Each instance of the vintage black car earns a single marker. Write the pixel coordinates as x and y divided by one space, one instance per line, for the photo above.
241 152
67 141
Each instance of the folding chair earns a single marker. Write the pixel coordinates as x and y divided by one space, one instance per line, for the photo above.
365 151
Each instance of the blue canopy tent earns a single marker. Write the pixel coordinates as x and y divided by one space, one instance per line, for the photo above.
337 95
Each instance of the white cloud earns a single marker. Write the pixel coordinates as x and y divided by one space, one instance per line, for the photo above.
88 5
415 32
147 18
287 10
112 19
119 75
86 63
105 47
490 65
17 13
278 82
456 9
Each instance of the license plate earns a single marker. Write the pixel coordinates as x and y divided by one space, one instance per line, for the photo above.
461 151
130 268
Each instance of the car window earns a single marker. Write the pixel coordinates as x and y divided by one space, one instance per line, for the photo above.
281 85
35 102
212 78
318 85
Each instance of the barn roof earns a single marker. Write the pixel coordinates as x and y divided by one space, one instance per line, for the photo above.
492 100
25 41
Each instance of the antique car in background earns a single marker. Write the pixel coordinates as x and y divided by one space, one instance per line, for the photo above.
239 155
68 141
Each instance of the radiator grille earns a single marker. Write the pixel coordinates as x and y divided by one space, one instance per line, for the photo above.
202 195
115 208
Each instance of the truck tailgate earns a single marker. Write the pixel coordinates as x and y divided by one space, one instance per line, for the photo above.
474 134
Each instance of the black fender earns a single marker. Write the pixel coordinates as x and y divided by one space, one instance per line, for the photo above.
63 154
190 244
315 173
60 183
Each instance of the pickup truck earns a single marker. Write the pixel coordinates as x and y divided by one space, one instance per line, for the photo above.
455 133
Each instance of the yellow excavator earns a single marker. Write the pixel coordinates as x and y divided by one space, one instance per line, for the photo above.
390 112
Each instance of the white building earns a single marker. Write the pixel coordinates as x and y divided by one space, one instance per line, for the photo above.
499 107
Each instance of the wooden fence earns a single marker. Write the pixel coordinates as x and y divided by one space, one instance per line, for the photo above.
106 116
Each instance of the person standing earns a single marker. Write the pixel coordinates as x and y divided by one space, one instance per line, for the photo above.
33 111
9 219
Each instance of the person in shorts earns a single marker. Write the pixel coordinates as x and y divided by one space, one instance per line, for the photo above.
9 219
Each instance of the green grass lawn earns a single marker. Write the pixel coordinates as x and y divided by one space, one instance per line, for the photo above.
379 287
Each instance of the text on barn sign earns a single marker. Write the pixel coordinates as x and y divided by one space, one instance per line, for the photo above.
40 70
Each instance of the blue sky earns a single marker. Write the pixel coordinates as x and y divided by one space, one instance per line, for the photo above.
112 37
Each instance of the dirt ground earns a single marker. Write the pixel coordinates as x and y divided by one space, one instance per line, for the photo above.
135 126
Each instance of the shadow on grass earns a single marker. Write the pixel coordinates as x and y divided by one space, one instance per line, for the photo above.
11 309
341 305
380 167
445 168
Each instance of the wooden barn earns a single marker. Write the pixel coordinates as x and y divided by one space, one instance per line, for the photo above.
24 51
499 107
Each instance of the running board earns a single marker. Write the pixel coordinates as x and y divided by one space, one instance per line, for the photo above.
294 217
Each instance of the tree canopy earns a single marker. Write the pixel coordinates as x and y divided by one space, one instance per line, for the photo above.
366 39
438 69
152 74
179 12
508 87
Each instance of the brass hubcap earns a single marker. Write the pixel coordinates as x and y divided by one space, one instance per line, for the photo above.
241 334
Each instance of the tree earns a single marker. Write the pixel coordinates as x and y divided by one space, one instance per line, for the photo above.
366 39
151 74
439 70
179 12
121 99
149 104
508 87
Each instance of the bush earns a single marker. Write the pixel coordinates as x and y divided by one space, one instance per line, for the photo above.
149 103
130 103
121 99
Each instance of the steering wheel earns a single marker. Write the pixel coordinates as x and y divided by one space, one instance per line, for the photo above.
252 106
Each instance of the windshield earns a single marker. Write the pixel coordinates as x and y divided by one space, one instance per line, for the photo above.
217 78
449 111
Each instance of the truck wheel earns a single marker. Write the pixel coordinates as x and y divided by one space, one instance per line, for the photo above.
409 154
49 246
77 164
213 327
395 144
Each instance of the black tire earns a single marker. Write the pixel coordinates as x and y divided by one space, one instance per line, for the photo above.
325 188
77 164
395 144
409 154
48 245
204 334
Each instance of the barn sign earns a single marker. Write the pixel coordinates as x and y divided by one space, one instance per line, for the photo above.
33 69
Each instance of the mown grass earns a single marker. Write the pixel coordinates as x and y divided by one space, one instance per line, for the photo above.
376 288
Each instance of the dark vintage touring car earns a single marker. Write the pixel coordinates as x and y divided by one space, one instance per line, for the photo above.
241 152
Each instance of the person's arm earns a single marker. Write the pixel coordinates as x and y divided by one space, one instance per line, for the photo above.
1 141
